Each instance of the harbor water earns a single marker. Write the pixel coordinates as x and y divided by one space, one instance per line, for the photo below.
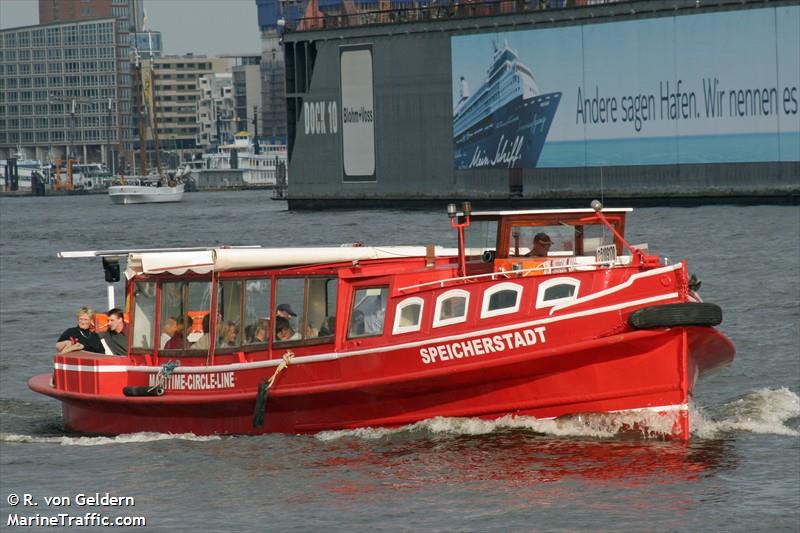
739 472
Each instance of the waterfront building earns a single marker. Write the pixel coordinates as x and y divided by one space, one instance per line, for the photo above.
129 13
177 92
216 115
273 88
247 94
66 90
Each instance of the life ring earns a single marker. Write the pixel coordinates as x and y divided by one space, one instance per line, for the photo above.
670 315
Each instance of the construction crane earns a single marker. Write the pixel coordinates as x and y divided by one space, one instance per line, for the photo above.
74 101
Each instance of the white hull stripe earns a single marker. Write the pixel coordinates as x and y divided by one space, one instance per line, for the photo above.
369 351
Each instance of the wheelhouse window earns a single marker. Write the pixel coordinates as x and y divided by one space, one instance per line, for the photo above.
480 240
501 299
408 315
305 309
144 315
368 312
594 237
451 308
542 241
557 291
184 305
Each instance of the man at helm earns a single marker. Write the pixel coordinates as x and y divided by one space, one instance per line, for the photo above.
541 245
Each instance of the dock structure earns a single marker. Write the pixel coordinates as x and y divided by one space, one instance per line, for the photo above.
653 106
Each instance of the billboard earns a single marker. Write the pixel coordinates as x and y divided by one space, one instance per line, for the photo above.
358 114
711 88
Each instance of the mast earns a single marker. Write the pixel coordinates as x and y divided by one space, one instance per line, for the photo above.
153 104
140 101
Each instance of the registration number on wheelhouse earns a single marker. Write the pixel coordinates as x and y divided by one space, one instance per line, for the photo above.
207 381
482 345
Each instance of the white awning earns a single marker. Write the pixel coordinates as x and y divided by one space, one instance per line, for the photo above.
224 259
200 262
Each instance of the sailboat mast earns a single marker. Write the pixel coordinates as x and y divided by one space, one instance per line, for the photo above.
140 99
154 104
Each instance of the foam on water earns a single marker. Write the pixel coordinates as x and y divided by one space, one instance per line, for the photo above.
593 425
101 441
763 411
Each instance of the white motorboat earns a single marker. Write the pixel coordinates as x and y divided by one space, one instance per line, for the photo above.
144 191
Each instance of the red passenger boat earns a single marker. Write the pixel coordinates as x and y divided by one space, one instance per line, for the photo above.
540 313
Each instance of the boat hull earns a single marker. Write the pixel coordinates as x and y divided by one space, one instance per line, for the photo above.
594 376
510 137
142 194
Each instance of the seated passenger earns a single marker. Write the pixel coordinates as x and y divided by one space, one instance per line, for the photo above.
116 336
541 245
230 335
261 329
284 331
176 325
311 332
357 323
81 337
328 326
168 330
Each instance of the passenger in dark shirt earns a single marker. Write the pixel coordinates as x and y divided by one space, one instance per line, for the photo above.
82 334
116 336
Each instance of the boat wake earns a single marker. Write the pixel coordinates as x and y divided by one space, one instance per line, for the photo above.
764 411
131 438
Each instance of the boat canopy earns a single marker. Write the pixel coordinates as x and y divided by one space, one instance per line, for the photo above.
225 259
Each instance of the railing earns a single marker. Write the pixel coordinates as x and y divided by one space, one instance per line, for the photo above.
543 268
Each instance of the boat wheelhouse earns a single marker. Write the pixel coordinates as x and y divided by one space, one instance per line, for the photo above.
253 340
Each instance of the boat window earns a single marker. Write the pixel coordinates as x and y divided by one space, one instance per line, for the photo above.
144 314
184 306
451 308
595 236
557 291
560 236
290 308
305 309
321 310
408 315
256 312
479 237
368 312
229 315
501 299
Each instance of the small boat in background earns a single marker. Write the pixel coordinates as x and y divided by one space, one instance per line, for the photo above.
244 163
542 313
146 191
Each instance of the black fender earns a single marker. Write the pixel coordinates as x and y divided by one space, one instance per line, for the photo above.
670 315
143 391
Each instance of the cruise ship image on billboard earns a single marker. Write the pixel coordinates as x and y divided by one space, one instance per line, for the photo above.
504 124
